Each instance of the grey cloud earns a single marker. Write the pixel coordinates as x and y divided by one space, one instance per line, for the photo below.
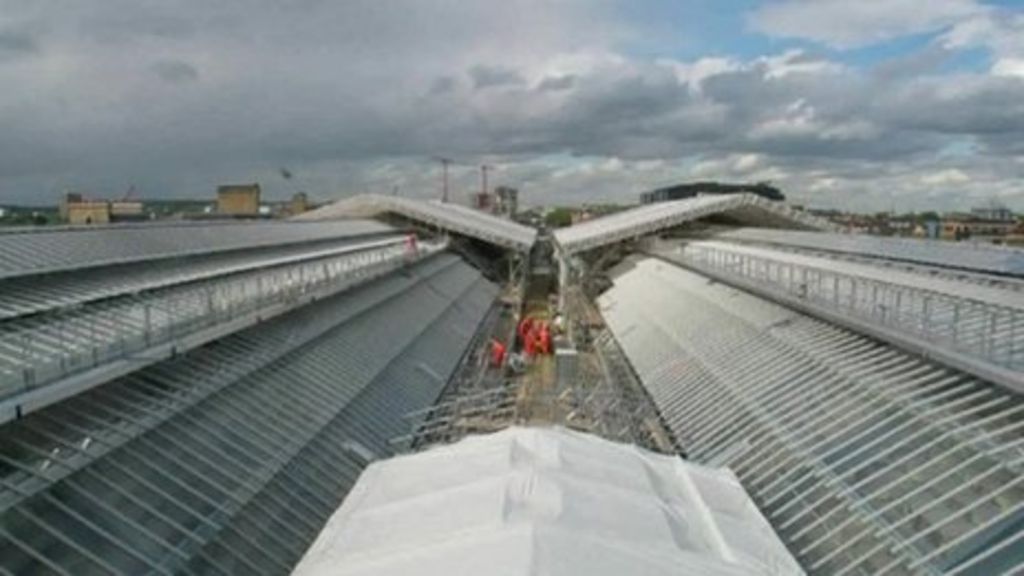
443 85
924 61
979 105
17 43
175 71
304 84
359 96
493 76
556 83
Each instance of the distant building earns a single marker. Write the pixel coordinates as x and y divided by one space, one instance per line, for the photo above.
299 204
981 223
580 216
508 201
238 199
994 214
928 229
483 201
66 201
75 209
126 210
89 212
681 191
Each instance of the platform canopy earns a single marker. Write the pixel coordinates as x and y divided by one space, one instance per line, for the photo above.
746 209
545 501
453 218
25 251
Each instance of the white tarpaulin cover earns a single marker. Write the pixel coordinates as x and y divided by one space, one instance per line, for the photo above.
545 501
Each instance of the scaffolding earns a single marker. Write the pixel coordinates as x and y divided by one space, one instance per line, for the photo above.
601 395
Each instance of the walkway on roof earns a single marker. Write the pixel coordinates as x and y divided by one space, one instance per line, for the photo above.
974 327
450 217
747 209
965 256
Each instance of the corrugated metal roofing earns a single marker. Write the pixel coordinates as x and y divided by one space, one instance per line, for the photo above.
39 250
976 257
39 350
865 459
653 218
451 217
545 502
29 295
229 459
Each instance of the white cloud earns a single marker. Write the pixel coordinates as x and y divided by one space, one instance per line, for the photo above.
851 24
694 73
801 120
944 177
825 184
1000 32
1009 67
963 24
796 62
746 162
732 167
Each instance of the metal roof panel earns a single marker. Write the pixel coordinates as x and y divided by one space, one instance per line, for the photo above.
451 217
43 250
652 218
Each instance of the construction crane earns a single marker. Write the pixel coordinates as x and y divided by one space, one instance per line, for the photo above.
444 176
484 168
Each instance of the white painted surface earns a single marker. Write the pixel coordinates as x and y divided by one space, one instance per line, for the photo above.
533 501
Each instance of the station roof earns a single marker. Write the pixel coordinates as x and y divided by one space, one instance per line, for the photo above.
653 218
529 501
866 459
22 295
985 258
451 217
26 251
243 448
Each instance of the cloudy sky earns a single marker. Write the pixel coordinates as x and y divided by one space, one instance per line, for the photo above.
868 105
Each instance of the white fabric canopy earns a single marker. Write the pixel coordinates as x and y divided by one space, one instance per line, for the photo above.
552 502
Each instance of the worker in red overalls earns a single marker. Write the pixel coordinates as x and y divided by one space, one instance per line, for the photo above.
530 344
497 353
525 327
545 339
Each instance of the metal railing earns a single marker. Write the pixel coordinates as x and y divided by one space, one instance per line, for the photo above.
991 333
52 347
